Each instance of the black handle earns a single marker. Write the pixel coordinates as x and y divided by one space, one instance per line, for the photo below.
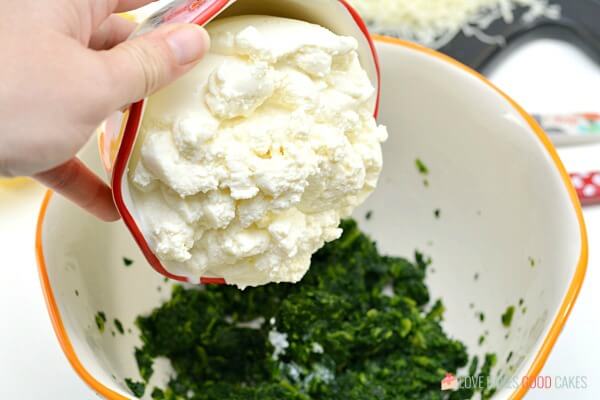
579 22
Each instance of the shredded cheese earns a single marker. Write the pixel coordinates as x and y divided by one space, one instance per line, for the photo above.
434 23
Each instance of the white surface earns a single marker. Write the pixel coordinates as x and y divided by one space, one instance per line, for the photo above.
32 365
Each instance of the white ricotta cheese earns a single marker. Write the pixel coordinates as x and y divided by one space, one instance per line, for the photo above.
245 166
280 343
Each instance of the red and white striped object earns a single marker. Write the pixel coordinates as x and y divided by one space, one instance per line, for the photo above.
587 186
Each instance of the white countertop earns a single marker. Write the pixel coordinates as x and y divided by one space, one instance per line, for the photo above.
543 76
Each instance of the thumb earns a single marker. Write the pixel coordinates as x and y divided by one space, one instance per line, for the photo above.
141 66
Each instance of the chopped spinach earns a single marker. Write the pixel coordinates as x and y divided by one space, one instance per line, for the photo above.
421 167
144 361
508 316
473 366
508 358
358 326
423 170
485 373
100 321
481 316
137 388
119 326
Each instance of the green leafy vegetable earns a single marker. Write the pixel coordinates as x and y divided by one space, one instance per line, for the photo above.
119 326
508 316
137 388
473 366
100 321
485 373
127 261
144 361
358 326
421 167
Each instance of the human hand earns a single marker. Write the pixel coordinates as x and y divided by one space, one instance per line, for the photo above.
65 67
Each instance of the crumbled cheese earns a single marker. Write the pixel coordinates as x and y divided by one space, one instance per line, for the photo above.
319 373
245 166
388 291
292 370
256 323
317 348
279 342
434 23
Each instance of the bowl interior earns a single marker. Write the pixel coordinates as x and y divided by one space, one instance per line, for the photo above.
506 234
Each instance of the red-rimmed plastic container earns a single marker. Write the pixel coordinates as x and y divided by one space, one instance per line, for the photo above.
117 139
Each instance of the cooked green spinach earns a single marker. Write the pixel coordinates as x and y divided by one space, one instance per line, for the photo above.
507 316
137 388
359 326
100 319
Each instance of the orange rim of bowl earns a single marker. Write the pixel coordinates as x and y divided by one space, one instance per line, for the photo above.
55 317
548 343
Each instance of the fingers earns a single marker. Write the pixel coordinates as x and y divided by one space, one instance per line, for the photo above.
145 64
113 31
77 183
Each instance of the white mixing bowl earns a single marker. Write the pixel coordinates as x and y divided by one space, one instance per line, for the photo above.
509 228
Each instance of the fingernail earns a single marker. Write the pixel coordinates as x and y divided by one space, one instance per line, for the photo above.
188 43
